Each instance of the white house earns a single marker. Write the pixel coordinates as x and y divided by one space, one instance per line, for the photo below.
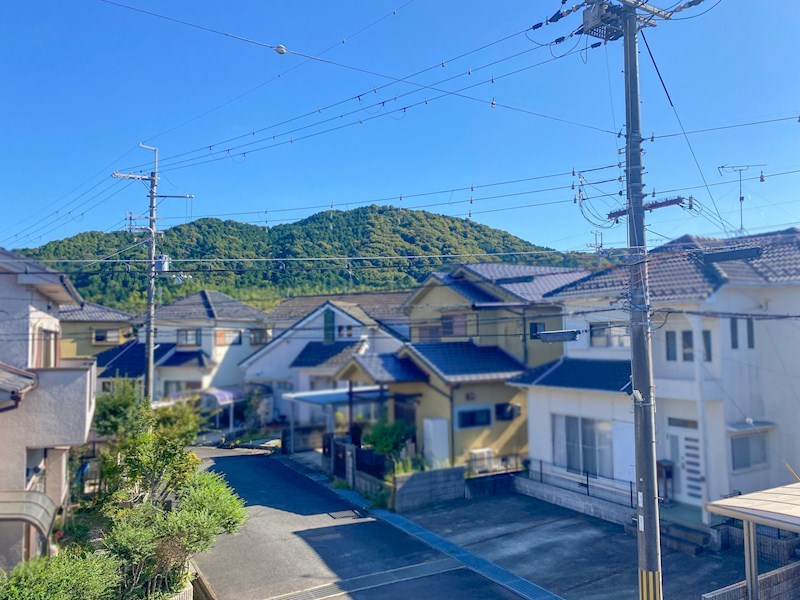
725 339
307 355
46 405
199 341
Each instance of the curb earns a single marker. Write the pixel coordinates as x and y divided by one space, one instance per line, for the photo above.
201 585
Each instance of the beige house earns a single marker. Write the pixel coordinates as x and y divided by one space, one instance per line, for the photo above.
46 406
471 331
87 329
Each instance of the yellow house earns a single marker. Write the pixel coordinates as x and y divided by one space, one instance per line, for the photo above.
88 329
471 331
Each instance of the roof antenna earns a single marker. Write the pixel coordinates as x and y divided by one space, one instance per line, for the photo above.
739 169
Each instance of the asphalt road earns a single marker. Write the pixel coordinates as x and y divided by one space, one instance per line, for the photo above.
302 541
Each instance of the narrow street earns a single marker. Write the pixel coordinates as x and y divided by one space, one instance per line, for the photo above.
303 541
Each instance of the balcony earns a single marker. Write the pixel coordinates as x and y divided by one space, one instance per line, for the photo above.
59 410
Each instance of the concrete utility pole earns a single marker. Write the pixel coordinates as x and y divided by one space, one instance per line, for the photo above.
151 267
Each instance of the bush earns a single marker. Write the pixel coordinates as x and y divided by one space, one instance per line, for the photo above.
68 576
388 438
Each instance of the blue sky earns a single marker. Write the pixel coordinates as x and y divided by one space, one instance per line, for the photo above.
85 81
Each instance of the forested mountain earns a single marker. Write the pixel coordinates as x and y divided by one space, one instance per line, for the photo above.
230 256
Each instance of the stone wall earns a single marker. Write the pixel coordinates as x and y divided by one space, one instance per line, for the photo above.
582 503
415 490
783 584
186 593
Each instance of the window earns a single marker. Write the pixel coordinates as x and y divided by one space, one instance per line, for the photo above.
480 417
672 346
259 337
345 331
749 451
609 335
583 445
327 333
429 334
507 411
751 334
189 337
454 325
227 337
178 387
734 333
688 346
534 329
45 349
105 336
706 345
685 423
107 387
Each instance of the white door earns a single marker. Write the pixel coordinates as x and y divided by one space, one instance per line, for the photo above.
684 450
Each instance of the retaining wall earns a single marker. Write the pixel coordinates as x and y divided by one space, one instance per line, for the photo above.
582 503
416 490
780 551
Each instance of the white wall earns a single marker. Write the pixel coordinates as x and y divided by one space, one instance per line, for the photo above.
22 310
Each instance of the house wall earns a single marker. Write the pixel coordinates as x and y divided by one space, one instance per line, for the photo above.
77 337
434 301
24 311
510 330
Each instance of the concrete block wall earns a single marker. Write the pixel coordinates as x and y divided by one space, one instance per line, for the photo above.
783 584
367 484
582 503
780 551
416 490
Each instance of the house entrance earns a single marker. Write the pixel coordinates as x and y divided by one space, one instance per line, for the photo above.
684 450
405 411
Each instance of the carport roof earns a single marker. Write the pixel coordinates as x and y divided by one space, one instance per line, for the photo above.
370 393
776 507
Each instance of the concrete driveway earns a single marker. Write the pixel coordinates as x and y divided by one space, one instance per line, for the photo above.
571 554
303 541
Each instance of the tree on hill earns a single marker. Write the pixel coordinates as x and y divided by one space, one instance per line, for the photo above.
396 249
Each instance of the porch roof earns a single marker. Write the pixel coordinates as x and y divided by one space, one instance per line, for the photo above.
776 507
372 393
28 506
389 368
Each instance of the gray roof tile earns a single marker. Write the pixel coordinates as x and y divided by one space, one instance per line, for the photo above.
527 282
379 306
209 304
128 359
315 354
89 311
14 380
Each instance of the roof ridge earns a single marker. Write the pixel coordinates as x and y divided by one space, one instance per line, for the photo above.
207 301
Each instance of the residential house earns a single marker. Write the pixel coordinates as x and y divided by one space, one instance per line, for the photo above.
471 331
305 356
199 341
46 405
723 344
87 329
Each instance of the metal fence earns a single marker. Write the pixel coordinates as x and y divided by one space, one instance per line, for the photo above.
372 463
618 491
493 465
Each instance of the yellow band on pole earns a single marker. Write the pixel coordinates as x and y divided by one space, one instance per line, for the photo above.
649 585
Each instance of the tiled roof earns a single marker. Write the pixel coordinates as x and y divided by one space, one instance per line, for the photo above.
466 361
389 368
677 270
468 290
187 358
14 380
527 282
209 304
128 360
380 306
315 354
604 375
89 311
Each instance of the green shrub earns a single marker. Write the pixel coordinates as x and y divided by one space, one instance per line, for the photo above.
68 576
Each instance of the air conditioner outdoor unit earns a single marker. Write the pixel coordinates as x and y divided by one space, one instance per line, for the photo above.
480 460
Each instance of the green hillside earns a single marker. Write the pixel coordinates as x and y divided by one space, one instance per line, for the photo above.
382 234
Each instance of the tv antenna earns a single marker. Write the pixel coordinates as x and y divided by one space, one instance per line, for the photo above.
739 169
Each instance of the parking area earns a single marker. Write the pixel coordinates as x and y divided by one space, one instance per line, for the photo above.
571 554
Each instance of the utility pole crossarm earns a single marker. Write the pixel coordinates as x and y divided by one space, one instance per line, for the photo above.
653 10
140 177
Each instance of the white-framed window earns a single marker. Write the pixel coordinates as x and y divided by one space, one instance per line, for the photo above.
672 345
105 336
734 333
749 450
345 331
227 337
429 334
454 325
583 445
612 334
751 334
178 387
189 337
687 346
478 416
45 349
